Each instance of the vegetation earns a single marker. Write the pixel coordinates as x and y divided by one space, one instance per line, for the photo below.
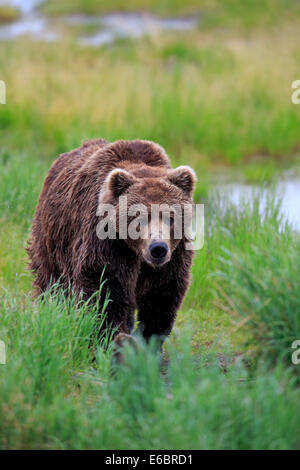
8 14
232 13
217 98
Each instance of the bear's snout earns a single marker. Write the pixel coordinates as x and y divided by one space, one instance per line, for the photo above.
158 250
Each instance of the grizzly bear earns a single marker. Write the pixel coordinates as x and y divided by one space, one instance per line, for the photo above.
149 274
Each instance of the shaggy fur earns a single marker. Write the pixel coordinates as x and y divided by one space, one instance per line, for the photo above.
64 245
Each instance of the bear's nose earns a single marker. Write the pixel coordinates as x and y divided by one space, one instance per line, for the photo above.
158 249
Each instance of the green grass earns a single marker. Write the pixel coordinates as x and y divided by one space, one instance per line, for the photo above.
260 284
245 281
248 15
164 7
54 396
50 345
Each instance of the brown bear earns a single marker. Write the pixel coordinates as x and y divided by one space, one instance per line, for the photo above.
149 274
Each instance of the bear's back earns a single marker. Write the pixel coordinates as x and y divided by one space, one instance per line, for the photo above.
136 152
69 163
91 163
100 154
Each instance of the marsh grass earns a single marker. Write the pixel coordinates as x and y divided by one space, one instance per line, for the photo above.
260 284
164 7
207 104
54 396
57 390
245 279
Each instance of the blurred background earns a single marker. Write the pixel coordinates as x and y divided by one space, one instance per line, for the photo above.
209 80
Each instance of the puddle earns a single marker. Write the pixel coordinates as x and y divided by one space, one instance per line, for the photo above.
129 25
30 23
25 6
288 191
108 27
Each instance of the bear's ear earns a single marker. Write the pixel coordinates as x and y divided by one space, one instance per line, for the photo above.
184 178
119 180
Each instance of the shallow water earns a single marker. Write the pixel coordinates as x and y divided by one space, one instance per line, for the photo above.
110 27
287 191
25 6
129 25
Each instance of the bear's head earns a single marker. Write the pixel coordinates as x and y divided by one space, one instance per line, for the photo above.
149 208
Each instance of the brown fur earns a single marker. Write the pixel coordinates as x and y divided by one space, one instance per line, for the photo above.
64 245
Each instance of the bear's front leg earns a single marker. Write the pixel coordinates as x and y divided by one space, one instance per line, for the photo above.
120 309
116 267
160 292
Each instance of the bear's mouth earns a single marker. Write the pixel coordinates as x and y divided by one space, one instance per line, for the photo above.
159 262
156 263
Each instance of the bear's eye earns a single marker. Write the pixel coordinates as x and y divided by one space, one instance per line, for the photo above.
168 218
